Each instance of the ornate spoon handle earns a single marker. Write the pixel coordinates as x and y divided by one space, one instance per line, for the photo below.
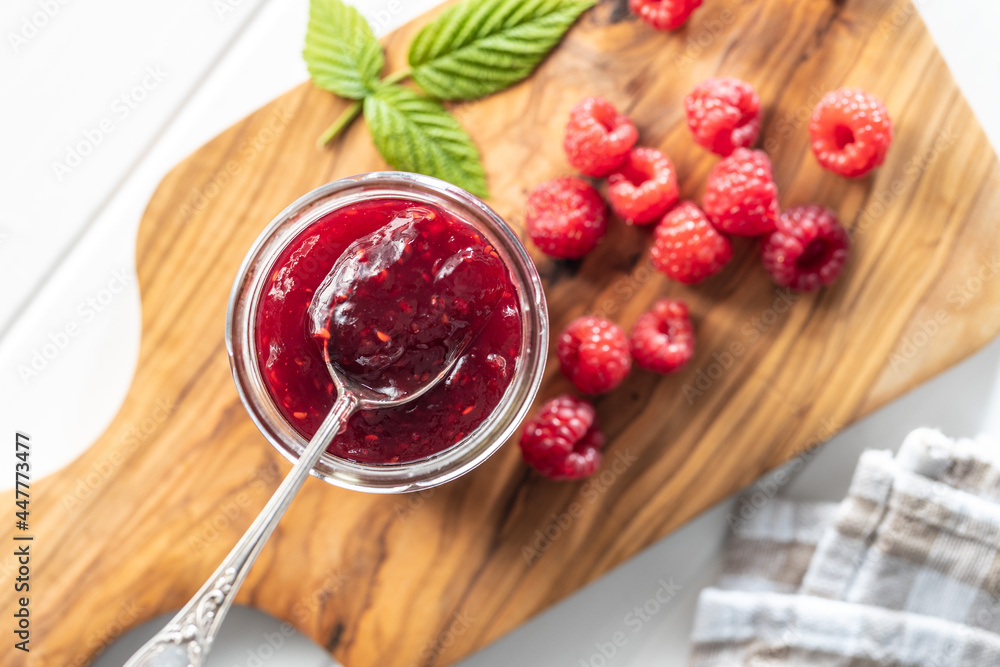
187 638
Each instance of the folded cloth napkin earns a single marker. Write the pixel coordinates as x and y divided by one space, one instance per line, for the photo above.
904 541
757 629
905 571
772 550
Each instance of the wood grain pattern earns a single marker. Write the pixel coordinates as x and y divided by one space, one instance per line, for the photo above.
134 526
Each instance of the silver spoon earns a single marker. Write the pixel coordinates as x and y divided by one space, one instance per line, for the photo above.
188 636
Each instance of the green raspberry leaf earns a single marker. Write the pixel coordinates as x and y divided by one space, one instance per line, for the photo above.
415 133
341 51
480 47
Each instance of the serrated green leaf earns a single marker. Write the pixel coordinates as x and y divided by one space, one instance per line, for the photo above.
480 47
414 133
341 51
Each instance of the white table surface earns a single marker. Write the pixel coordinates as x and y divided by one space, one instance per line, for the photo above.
101 98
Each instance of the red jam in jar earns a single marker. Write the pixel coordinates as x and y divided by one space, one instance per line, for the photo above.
426 290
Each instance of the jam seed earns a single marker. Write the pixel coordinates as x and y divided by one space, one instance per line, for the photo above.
468 410
299 415
384 337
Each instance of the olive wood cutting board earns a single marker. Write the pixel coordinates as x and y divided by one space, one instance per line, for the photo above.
135 525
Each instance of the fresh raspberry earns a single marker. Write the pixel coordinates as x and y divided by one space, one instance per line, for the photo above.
740 195
723 114
593 354
566 217
597 137
686 247
644 187
851 132
664 14
663 337
807 249
563 441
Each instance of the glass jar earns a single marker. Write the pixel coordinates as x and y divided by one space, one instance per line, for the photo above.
449 463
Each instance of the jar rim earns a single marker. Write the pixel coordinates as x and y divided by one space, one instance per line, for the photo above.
460 457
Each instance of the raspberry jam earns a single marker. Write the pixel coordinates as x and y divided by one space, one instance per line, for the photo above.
423 289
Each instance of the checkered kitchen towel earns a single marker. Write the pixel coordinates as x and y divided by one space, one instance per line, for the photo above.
772 550
905 571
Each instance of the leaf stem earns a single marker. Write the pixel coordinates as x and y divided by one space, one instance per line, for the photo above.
343 120
396 77
354 108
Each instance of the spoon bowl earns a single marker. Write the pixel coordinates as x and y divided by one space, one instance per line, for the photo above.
401 305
